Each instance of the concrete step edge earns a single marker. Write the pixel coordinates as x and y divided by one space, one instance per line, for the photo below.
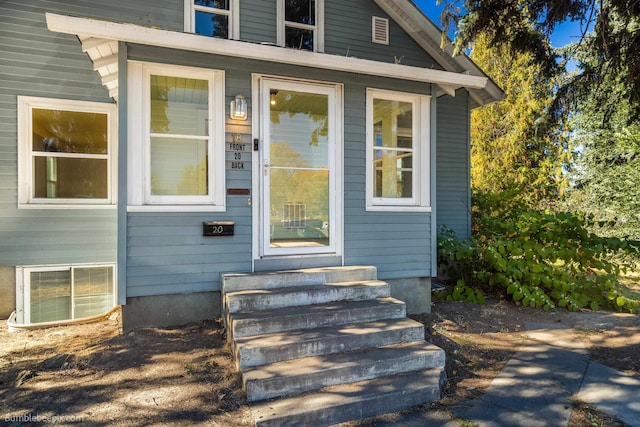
312 373
272 348
354 401
314 316
265 299
309 276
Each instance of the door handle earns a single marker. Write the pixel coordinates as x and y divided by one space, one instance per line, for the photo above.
266 168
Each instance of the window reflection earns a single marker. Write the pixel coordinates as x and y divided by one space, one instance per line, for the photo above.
212 18
179 139
393 149
299 177
70 154
300 24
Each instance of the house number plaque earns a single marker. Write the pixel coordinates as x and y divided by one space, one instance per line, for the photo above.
218 228
240 153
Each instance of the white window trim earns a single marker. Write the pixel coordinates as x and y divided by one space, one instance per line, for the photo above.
26 104
421 200
139 191
233 13
23 287
318 29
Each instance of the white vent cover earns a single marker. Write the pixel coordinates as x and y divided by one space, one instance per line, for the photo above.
379 30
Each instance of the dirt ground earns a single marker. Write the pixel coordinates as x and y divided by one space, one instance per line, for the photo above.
92 375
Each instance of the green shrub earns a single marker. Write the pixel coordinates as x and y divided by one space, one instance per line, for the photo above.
539 259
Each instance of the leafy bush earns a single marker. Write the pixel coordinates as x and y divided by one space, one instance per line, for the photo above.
538 258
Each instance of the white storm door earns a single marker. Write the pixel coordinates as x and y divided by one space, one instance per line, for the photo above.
298 168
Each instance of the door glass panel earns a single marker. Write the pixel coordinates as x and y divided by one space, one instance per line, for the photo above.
299 169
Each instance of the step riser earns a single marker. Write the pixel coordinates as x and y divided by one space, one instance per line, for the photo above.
247 356
313 276
266 301
262 389
355 411
346 409
250 327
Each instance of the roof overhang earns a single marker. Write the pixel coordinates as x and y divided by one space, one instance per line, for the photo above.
428 36
99 39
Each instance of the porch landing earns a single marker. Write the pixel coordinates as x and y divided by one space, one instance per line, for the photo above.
326 345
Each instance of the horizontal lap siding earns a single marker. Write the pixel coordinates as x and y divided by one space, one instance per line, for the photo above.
37 62
453 199
397 243
258 21
348 33
166 251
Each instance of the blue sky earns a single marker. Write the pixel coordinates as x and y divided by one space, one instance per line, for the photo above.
565 33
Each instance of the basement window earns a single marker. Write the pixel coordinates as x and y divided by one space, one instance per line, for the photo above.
64 292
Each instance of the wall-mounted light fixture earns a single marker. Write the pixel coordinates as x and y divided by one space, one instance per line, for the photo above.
238 108
273 94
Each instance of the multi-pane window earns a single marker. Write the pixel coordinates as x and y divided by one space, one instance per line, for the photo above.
213 18
58 293
397 150
180 160
66 152
301 24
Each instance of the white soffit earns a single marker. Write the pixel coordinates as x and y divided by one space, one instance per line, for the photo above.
428 36
104 55
86 28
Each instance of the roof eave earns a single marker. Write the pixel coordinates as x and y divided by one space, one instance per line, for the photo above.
86 28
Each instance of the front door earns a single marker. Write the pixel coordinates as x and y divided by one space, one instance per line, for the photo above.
298 168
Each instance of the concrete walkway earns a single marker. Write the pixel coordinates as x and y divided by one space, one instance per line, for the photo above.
538 384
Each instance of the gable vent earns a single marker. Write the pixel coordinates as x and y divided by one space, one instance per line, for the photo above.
380 30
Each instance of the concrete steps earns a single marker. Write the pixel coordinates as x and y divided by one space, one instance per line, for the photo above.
332 333
269 299
314 316
311 373
352 401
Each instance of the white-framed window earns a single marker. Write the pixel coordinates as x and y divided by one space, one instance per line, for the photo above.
213 18
53 293
301 24
176 125
398 151
66 153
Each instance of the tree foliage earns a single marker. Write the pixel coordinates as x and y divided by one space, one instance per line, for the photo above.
537 258
607 176
524 26
509 149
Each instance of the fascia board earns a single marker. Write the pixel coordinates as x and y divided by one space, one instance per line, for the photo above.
131 33
417 25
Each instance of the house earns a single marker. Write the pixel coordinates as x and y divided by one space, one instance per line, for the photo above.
149 146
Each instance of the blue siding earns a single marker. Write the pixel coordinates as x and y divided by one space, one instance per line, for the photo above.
166 252
453 196
258 21
36 62
166 248
348 33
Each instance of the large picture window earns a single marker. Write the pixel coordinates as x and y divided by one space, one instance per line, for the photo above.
66 292
213 18
66 152
397 151
300 24
180 160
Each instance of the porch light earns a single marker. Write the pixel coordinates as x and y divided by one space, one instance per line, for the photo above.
238 108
